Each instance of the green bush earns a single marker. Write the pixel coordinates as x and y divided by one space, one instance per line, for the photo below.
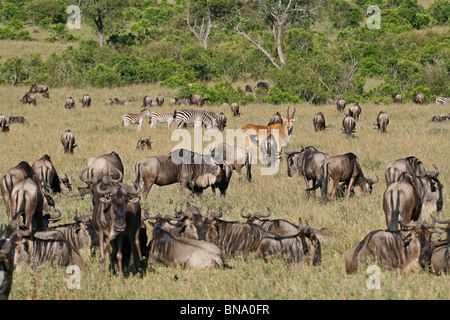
103 76
277 96
440 11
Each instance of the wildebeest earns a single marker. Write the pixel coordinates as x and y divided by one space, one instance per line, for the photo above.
306 163
159 100
295 247
70 103
40 88
48 178
222 121
440 251
275 118
68 141
104 165
398 98
344 168
197 100
340 105
28 98
411 198
3 124
235 109
442 100
6 264
418 98
18 119
248 89
354 111
86 101
409 164
144 144
382 122
146 102
262 85
331 101
400 251
192 170
319 122
235 156
348 125
440 118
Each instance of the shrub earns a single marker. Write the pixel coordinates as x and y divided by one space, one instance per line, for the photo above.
103 76
440 11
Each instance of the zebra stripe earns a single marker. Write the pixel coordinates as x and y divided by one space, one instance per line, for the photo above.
442 100
198 117
162 117
136 118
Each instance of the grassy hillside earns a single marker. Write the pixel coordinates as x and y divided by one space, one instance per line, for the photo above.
98 130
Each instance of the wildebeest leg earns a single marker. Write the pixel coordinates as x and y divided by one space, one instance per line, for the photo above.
102 246
238 169
147 186
350 186
136 249
119 255
333 190
307 187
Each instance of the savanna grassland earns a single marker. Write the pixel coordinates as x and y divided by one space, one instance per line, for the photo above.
98 130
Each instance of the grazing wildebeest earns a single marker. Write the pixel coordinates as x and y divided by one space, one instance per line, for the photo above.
197 100
222 121
3 124
159 100
349 125
48 178
192 170
68 141
235 109
411 198
442 100
418 98
262 85
18 119
306 163
398 98
146 102
236 156
248 89
382 122
409 164
319 122
400 251
70 103
354 111
40 88
144 143
295 247
6 264
276 118
115 216
28 98
340 105
7 182
344 168
86 101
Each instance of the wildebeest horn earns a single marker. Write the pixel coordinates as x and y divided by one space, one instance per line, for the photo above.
212 215
436 219
100 191
411 224
436 173
147 216
374 181
75 216
81 176
55 216
260 215
248 215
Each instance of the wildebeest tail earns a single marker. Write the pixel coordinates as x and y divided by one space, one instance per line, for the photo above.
138 176
393 225
324 181
248 160
317 260
19 207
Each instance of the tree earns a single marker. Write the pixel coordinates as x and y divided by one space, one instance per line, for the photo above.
198 19
102 13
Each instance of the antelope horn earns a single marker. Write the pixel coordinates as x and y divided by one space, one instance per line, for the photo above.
81 176
100 191
75 216
293 113
436 173
374 181
56 216
288 111
436 219
147 216
260 215
120 176
248 215
411 224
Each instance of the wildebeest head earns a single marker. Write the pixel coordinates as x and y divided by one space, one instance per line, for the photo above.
6 264
364 185
422 233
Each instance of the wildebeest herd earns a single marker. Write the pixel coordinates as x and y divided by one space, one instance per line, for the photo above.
116 227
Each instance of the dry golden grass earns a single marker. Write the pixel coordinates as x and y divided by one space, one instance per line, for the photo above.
98 130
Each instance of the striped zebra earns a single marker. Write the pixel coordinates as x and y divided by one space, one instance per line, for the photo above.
442 100
162 117
197 117
136 118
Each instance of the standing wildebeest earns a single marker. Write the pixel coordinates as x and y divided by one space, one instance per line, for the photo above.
409 164
349 125
28 98
159 100
192 170
344 168
40 88
236 156
70 103
3 124
86 101
115 216
235 109
306 163
222 121
68 141
319 122
418 98
18 119
400 251
412 197
276 118
6 264
382 121
340 105
48 178
398 98
144 143
197 100
354 111
146 102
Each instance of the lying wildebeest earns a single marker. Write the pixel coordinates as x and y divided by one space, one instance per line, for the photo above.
400 251
235 109
411 198
442 100
6 264
18 119
146 102
409 164
439 118
331 101
306 163
340 105
192 170
109 102
40 88
235 156
295 247
48 178
276 118
382 121
398 98
68 141
440 251
28 98
418 98
354 111
70 103
348 125
319 122
86 101
344 168
3 124
144 143
159 100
